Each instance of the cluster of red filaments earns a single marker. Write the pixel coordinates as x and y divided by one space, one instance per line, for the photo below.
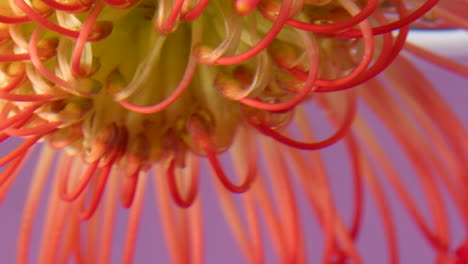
45 94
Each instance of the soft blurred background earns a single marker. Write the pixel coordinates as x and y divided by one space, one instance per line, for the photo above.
220 245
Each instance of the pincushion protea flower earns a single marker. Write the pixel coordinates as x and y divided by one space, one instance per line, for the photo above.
124 89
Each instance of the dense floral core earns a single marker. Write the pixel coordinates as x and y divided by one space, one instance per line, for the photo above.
132 83
100 77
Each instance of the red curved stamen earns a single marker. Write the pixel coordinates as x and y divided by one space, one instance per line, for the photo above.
12 168
263 43
86 214
240 188
20 150
312 51
80 186
339 134
381 64
196 11
178 92
174 189
25 97
355 156
25 114
338 26
14 19
203 140
437 59
38 130
129 187
3 137
115 154
42 21
388 54
402 22
14 57
13 84
366 30
38 18
353 148
424 171
439 113
20 123
38 63
450 14
171 18
73 8
134 224
85 32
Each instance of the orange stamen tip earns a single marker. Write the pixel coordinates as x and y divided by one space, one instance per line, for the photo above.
100 30
228 87
137 154
266 118
15 69
245 7
104 141
115 82
47 48
284 55
129 186
86 86
204 55
41 7
271 7
65 136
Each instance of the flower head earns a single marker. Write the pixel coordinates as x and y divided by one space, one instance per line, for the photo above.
118 87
